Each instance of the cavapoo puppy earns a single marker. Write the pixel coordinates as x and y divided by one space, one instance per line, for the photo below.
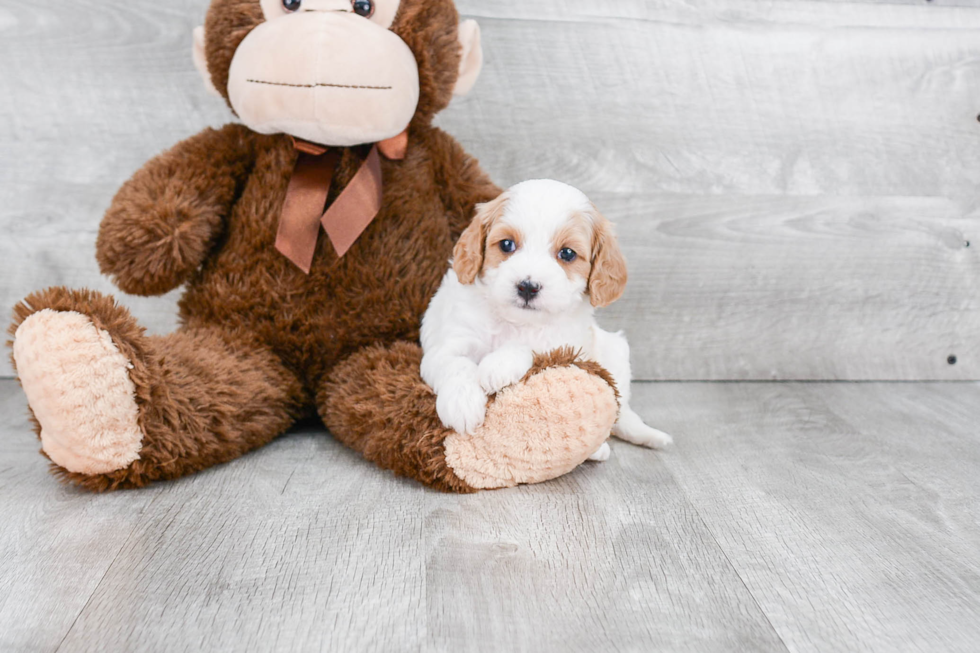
526 278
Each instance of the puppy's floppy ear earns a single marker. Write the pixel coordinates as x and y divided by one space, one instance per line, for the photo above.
607 280
470 250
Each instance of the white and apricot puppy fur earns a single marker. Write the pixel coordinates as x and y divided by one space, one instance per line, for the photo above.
526 278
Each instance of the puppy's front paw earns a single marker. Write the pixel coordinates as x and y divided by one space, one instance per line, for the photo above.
504 367
462 407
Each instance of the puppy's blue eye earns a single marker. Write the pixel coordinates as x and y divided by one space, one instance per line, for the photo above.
291 5
508 246
567 255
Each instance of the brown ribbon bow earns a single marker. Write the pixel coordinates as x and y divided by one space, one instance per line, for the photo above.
349 215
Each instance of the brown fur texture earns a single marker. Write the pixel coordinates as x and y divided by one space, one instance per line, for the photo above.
204 398
366 398
157 233
377 404
262 344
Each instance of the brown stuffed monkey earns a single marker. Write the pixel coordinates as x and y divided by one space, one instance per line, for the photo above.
310 239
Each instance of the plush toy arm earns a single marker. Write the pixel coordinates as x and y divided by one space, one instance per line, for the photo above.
164 221
464 183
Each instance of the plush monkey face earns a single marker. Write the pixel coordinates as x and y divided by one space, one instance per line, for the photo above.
337 72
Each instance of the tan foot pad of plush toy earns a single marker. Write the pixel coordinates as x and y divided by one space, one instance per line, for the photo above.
77 383
537 430
572 410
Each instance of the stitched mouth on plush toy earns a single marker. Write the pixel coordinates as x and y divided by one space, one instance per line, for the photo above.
320 85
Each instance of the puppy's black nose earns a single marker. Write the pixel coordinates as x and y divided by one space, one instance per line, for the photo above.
528 290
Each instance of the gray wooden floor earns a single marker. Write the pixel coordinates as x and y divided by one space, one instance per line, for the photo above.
800 517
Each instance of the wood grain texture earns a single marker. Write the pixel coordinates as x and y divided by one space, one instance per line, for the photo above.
785 287
922 12
302 547
611 558
850 512
766 117
56 544
803 517
719 97
88 93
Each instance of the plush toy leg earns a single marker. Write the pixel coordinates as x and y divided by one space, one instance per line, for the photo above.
117 409
537 430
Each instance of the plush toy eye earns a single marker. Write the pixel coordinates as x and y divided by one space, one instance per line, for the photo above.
567 255
291 5
508 246
363 8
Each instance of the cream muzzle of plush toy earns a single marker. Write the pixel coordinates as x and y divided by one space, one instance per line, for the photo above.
347 80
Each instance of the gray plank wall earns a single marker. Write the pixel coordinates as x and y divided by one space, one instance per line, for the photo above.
796 181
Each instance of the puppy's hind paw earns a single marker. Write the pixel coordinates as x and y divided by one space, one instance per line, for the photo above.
650 438
603 454
631 428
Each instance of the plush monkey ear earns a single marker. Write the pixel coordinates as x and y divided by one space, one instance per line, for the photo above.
201 62
607 281
472 61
